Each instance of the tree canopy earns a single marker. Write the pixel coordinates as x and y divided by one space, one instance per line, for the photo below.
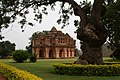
6 48
112 23
29 47
11 9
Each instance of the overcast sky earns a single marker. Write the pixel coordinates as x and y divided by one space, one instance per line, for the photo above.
15 35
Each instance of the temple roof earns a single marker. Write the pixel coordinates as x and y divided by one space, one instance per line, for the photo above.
53 29
53 33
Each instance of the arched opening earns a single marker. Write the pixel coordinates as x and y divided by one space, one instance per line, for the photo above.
51 54
41 54
61 55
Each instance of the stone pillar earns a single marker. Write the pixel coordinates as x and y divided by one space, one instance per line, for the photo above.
33 50
72 52
37 52
33 43
65 52
46 52
57 52
54 53
68 52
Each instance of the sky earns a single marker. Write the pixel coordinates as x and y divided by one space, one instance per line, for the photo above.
15 35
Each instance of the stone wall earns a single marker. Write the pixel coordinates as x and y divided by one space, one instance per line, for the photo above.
106 51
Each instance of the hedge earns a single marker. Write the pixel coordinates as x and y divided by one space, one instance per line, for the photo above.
12 73
87 70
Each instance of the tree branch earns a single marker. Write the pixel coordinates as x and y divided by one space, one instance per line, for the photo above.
96 10
77 9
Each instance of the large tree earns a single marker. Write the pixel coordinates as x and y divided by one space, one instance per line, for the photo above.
91 30
6 49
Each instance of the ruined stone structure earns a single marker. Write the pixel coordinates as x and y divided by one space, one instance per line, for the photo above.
53 44
106 51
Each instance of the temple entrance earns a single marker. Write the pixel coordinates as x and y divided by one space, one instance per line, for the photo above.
61 55
51 54
41 54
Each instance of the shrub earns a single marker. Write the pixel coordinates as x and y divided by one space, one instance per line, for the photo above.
20 55
33 58
12 73
116 54
87 70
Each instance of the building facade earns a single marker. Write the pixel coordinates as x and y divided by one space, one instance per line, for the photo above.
53 44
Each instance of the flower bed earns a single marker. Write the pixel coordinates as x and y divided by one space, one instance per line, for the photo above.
87 70
12 73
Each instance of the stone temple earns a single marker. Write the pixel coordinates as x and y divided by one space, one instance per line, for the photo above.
53 44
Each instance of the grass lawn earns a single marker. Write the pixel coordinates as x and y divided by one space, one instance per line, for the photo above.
43 68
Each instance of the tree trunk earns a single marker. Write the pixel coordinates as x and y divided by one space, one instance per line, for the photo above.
92 37
91 55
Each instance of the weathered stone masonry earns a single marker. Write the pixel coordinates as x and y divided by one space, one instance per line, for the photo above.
53 44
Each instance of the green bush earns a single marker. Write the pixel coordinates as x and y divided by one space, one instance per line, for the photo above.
87 70
33 58
12 73
116 54
20 55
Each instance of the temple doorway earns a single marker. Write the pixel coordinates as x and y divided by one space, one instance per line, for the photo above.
61 55
51 54
41 54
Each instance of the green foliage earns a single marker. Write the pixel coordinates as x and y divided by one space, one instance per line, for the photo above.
87 70
6 49
43 67
116 54
33 58
20 55
29 48
34 35
20 8
1 37
112 23
12 73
